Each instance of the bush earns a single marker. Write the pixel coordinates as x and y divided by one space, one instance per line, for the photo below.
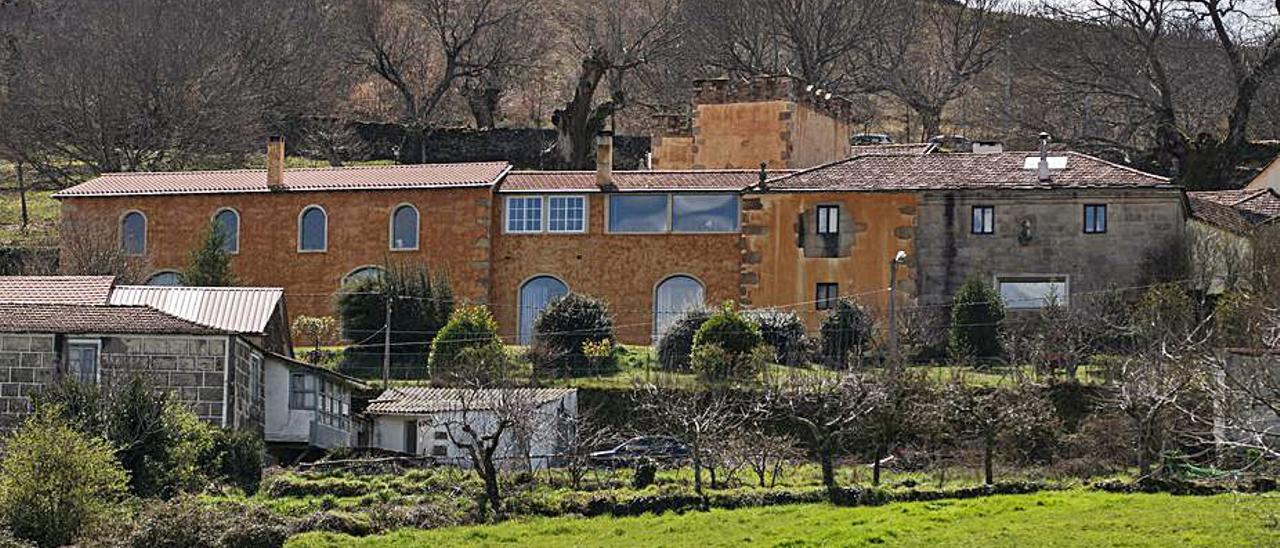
469 327
847 328
785 332
729 330
209 264
676 345
977 316
422 306
235 458
187 522
569 322
55 480
714 364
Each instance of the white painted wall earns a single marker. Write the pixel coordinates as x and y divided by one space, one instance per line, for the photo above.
283 424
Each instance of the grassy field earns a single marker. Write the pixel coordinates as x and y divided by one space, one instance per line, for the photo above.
42 212
1071 518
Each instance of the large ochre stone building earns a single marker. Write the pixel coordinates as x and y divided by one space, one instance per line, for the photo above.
708 225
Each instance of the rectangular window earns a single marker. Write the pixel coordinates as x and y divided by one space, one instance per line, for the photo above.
567 214
1095 218
984 220
828 219
302 391
82 361
1032 292
255 377
638 213
827 295
704 212
524 214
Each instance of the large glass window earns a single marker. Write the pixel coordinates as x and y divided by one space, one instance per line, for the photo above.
313 228
227 222
704 213
133 233
404 228
334 406
1033 292
534 296
524 214
638 213
302 391
567 214
675 295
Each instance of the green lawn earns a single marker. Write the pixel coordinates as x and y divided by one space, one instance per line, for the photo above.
42 212
1070 518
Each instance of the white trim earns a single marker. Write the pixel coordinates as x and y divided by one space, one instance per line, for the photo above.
304 211
97 367
1034 277
120 232
520 294
239 224
586 213
391 227
542 214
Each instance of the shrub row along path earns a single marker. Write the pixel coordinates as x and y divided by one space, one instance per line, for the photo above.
1068 518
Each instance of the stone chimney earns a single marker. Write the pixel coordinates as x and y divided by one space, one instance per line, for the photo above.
275 162
604 159
1042 169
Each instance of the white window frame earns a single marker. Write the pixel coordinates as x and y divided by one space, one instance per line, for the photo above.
823 211
391 228
97 367
301 214
146 224
239 225
546 213
506 214
1064 300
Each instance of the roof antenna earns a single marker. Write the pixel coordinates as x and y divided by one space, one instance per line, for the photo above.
764 176
1042 170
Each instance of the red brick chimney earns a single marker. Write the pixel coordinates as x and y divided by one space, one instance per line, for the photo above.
604 159
275 161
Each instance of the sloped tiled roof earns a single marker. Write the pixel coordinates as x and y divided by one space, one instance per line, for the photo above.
79 319
235 309
634 181
295 180
418 400
965 171
1236 210
905 149
56 289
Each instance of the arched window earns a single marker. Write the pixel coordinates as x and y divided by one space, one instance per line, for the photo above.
534 296
133 233
362 273
674 296
313 228
404 227
227 221
165 278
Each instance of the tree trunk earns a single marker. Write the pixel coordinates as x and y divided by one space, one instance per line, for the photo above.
483 103
930 121
988 451
578 122
697 476
828 473
22 192
875 466
492 495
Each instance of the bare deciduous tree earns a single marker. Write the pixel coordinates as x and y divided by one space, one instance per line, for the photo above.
827 411
491 423
699 418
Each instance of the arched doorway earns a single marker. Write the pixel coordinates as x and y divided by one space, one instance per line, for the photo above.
534 296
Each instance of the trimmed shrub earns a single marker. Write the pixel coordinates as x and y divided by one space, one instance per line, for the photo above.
676 345
469 327
785 332
422 305
729 330
567 324
977 315
713 363
847 328
55 481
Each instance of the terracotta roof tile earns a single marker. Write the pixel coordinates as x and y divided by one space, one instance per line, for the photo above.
1217 214
295 180
419 400
905 149
1235 210
74 319
633 181
56 289
966 171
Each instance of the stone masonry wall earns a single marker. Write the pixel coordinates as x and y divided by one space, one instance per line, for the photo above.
191 367
1138 222
27 362
247 412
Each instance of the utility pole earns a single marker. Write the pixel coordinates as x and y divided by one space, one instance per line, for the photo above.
386 347
898 259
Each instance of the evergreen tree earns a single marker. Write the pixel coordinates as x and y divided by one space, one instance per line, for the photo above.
209 264
976 317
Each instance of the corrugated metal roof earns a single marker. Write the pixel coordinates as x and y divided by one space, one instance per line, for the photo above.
295 180
236 309
55 289
417 400
79 319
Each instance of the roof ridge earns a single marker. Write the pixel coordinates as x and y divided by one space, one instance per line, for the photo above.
296 169
1119 166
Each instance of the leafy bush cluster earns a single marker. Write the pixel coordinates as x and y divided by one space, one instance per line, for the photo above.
676 345
976 317
785 332
470 333
723 345
564 329
847 329
421 304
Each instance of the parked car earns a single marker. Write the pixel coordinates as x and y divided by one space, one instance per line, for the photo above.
870 139
663 449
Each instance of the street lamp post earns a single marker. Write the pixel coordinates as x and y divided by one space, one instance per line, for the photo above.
898 259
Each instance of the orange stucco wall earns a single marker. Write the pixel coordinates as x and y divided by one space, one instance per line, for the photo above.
817 138
621 269
741 135
777 273
672 152
453 235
